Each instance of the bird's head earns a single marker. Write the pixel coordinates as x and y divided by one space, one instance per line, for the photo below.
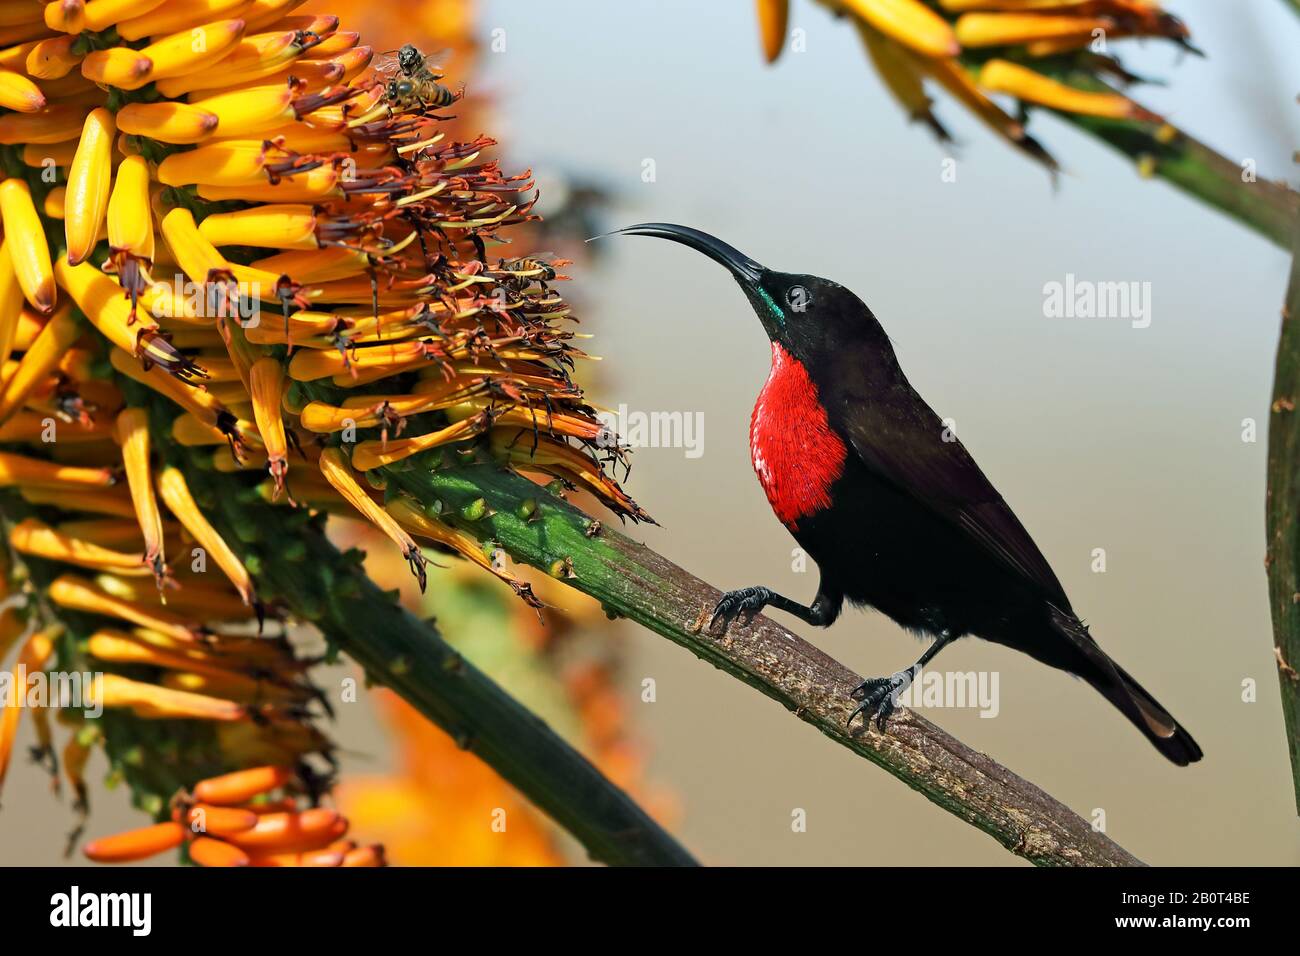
800 312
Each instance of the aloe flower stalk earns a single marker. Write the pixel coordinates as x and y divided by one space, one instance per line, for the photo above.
1057 55
231 257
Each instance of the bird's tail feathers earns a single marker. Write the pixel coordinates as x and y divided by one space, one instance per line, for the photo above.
1145 712
1129 697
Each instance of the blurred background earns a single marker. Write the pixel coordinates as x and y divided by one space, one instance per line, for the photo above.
1099 434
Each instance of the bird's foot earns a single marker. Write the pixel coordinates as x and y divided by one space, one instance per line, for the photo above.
878 697
747 601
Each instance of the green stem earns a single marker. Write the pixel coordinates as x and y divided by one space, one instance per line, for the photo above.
1269 208
1282 515
509 511
295 563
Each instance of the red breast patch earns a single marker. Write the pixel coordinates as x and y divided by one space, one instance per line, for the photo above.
796 455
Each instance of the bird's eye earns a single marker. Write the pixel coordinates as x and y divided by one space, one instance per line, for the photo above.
798 298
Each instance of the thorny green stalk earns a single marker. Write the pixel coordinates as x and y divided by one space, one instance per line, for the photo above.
293 562
1162 150
1282 516
507 511
1269 208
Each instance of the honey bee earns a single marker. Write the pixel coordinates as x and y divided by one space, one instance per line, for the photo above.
517 274
412 79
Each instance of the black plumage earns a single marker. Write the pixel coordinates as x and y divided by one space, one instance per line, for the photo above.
910 525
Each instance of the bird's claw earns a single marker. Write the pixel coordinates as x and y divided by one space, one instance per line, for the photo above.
732 604
878 697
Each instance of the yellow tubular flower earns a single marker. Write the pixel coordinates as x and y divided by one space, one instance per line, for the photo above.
39 156
254 58
952 76
563 461
314 185
105 501
371 410
334 466
274 226
102 14
901 77
133 435
266 385
21 470
35 537
78 594
240 357
322 266
52 59
11 303
265 13
176 495
353 62
334 45
375 454
227 163
192 50
66 16
40 360
130 228
103 303
117 66
1001 29
192 432
56 123
418 523
31 256
30 427
21 13
19 93
160 703
304 324
196 401
236 687
251 111
1031 86
197 257
86 200
222 675
310 365
773 21
156 19
167 122
910 23
105 532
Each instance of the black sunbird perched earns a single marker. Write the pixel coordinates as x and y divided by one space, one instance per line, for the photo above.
893 509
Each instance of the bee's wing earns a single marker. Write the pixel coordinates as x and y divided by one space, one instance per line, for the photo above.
433 62
385 65
531 263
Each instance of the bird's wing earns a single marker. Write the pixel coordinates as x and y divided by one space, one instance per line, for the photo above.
900 438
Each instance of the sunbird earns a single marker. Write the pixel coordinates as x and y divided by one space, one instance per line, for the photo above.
890 505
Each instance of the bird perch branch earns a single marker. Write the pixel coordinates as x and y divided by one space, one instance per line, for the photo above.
1282 515
633 581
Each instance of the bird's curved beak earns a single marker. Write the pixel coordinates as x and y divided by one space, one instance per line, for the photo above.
745 269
